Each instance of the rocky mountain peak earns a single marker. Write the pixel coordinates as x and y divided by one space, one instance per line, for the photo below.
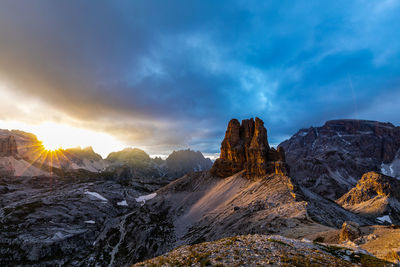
129 155
245 147
185 161
8 146
375 196
372 184
330 159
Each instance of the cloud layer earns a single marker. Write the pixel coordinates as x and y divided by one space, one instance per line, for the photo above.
166 75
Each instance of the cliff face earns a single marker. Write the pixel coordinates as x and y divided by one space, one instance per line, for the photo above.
8 147
370 185
245 147
331 159
374 195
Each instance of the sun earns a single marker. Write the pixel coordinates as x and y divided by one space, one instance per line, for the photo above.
51 145
56 136
60 136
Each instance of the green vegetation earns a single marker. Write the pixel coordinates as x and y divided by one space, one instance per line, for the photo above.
278 241
319 239
368 261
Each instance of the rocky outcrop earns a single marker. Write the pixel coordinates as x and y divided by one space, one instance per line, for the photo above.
350 231
370 185
375 195
330 159
6 168
245 147
8 147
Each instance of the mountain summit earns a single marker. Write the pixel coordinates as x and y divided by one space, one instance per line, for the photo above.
330 159
245 147
375 195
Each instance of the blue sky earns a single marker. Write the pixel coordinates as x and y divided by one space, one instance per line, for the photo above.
164 75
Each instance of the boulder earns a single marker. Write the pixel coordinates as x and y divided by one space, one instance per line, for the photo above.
350 231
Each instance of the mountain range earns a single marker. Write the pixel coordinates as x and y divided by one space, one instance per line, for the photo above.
336 185
22 154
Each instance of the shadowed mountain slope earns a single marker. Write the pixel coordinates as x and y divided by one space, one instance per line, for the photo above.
330 159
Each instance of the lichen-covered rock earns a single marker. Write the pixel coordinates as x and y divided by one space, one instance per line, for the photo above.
245 147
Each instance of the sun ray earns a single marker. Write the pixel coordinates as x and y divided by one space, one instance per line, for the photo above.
44 159
31 162
57 159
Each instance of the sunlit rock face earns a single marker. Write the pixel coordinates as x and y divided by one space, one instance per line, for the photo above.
8 147
376 196
245 147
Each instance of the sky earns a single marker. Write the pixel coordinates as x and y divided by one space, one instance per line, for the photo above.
168 75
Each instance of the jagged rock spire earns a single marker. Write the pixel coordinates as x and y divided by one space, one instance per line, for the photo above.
245 147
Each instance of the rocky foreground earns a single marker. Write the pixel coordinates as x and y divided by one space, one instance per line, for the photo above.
262 250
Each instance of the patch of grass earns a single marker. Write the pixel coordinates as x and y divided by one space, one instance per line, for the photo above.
368 261
296 261
333 250
278 241
364 259
231 240
319 239
205 262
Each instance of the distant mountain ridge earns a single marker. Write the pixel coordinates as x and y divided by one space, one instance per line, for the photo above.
22 154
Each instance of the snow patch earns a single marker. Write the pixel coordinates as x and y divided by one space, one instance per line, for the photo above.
341 138
96 195
385 218
383 169
392 168
90 222
302 133
122 203
143 199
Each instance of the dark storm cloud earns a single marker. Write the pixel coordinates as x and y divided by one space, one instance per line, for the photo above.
169 74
